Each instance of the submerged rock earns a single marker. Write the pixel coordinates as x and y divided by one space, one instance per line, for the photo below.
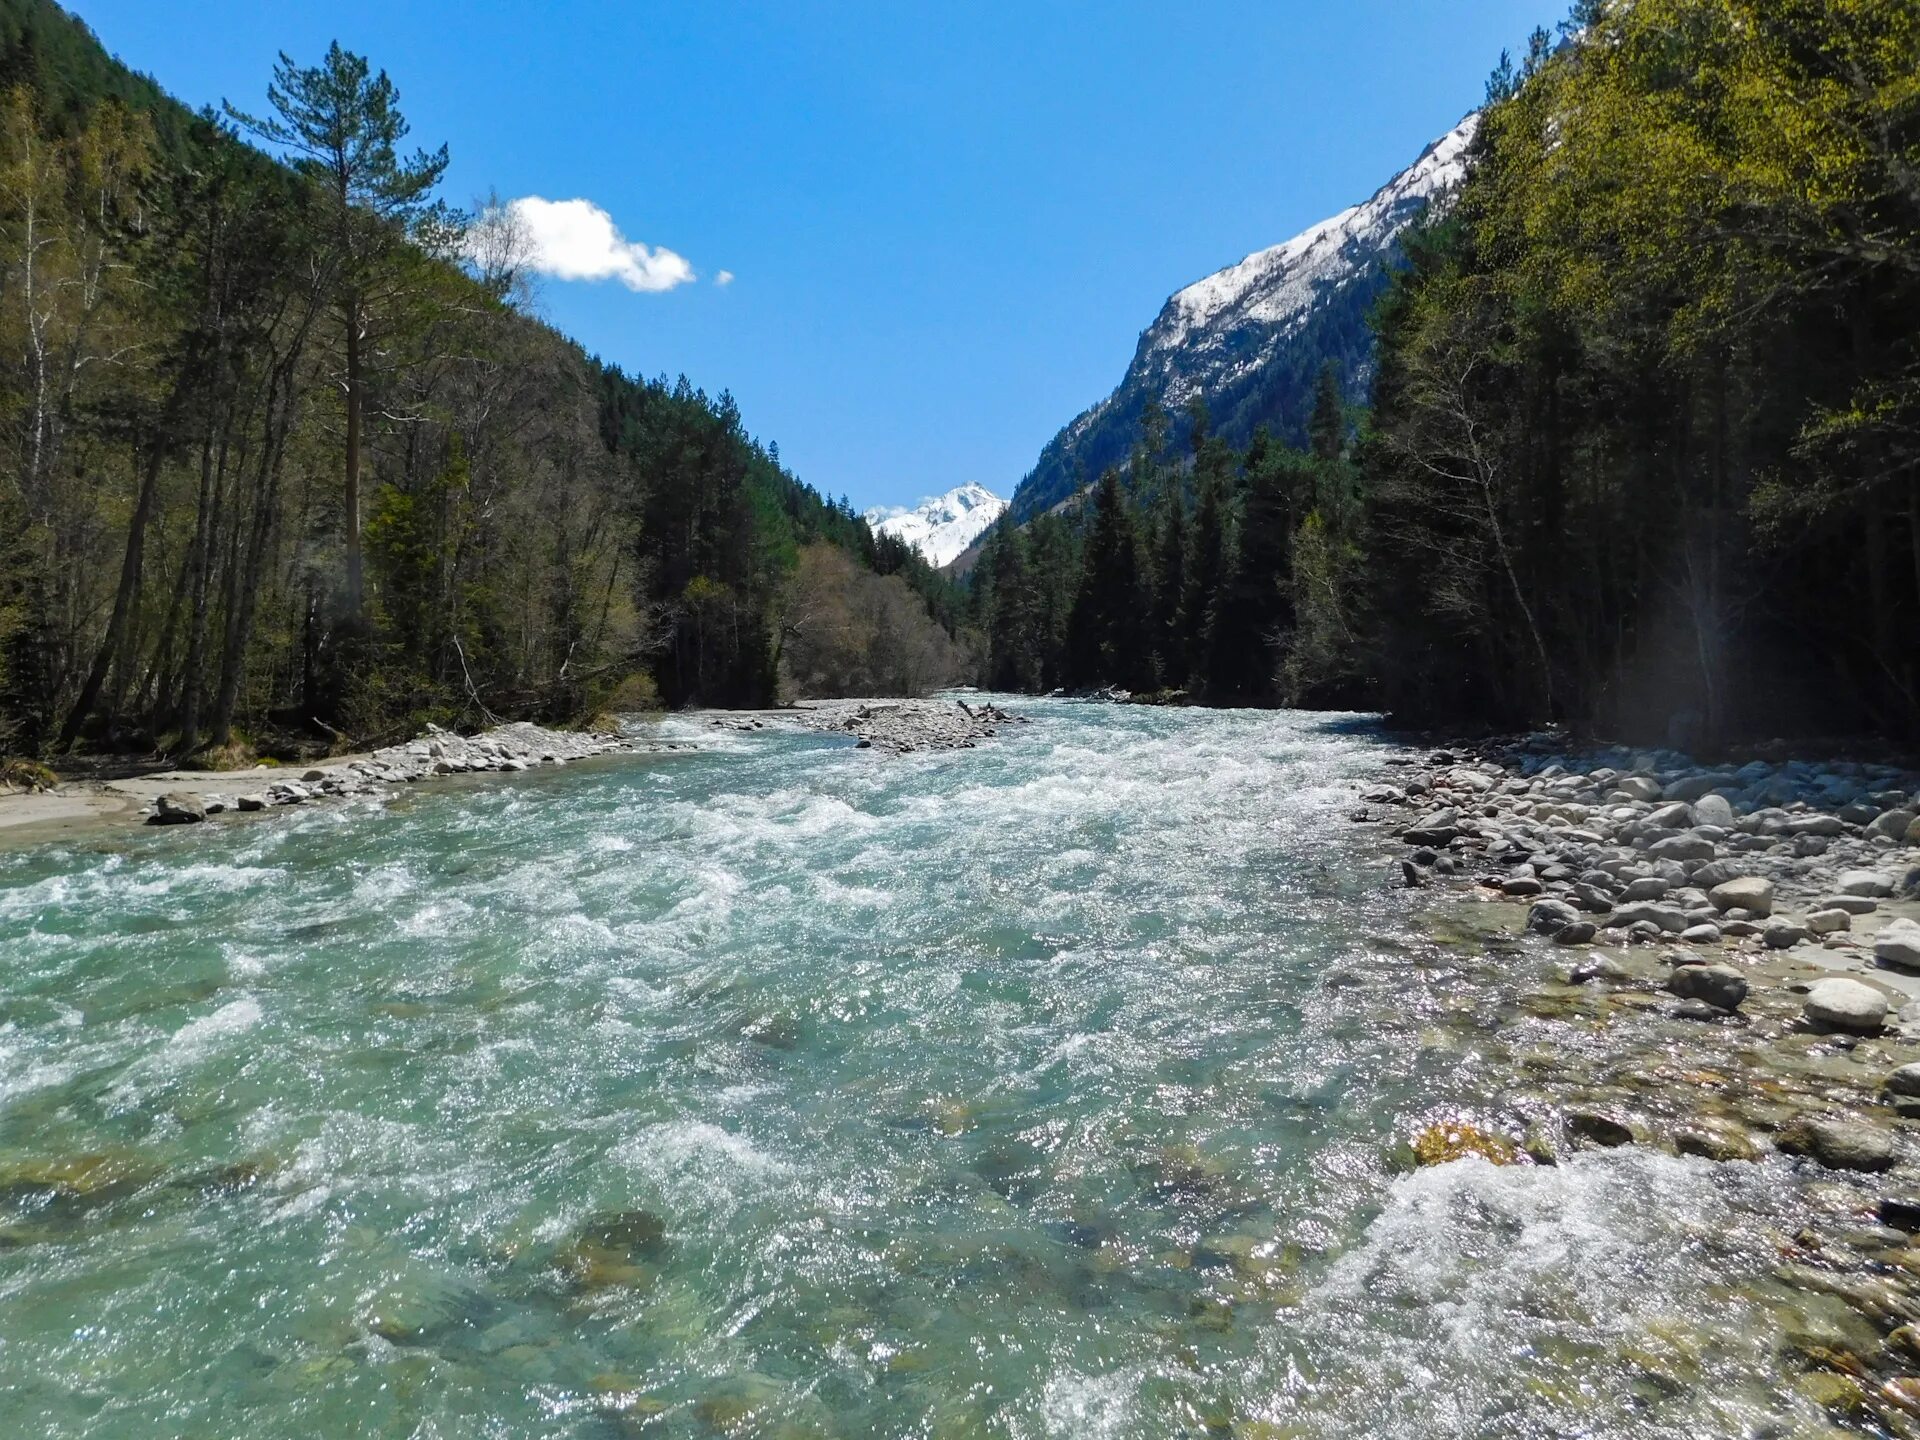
1447 1141
1721 986
1715 1139
1599 1128
1839 1143
611 1250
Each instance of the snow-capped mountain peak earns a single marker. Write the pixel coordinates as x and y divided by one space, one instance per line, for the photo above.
1274 289
1251 339
941 527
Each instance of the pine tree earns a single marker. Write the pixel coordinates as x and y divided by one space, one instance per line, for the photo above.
342 124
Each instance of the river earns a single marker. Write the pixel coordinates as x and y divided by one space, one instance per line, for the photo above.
1056 1087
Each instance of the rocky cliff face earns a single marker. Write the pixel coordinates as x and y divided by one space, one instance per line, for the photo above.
1252 338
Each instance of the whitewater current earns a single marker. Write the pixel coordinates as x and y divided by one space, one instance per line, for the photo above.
1050 1088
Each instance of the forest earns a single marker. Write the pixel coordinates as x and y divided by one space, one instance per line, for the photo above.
286 456
1642 453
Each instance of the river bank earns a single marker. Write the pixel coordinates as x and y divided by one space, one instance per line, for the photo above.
184 796
1730 969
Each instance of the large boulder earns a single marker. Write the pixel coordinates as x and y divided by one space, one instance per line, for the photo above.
1663 917
1713 810
1838 1003
1436 828
1894 824
1651 887
1865 882
1690 788
1718 872
1671 817
1638 787
1824 826
1829 922
1550 917
1898 946
1750 893
1721 986
178 809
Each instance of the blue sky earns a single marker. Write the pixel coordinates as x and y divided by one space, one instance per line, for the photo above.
947 223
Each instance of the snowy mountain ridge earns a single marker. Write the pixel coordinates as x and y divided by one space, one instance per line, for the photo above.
1277 286
941 527
1251 339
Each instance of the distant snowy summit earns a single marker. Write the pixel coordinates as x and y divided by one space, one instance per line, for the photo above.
943 527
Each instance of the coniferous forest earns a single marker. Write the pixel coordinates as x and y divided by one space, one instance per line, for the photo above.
1643 447
287 455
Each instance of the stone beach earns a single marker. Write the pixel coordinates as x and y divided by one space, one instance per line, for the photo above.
1727 964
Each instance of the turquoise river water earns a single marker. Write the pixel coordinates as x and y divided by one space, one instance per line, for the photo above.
1046 1089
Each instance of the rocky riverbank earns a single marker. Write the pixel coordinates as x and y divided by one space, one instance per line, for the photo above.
1722 963
182 797
898 727
437 752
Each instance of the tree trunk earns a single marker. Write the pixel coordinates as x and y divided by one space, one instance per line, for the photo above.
129 588
356 590
200 564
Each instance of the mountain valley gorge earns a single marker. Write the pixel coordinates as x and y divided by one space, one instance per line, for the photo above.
1375 892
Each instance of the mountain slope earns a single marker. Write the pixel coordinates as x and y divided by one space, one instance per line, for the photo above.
941 527
1251 339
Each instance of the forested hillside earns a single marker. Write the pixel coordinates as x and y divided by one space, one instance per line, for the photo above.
1643 452
281 453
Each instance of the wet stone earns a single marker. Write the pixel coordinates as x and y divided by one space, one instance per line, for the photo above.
1839 1143
1597 1127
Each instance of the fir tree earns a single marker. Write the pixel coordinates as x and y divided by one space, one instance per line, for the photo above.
1107 640
1170 593
1328 428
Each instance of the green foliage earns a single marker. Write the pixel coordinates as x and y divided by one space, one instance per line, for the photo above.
1646 439
19 773
272 460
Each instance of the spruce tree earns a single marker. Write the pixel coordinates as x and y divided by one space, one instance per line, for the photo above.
1169 593
1256 607
1327 429
1107 641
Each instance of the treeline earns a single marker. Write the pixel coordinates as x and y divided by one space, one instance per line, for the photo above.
1645 444
1213 575
1643 449
281 453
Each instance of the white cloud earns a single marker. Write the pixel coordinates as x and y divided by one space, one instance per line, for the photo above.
725 277
577 240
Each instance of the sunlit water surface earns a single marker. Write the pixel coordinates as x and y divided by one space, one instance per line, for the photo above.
1045 1089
